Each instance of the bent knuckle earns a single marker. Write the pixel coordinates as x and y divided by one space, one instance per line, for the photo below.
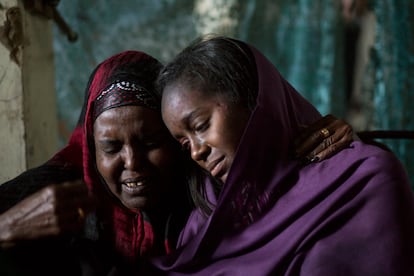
49 192
348 129
328 142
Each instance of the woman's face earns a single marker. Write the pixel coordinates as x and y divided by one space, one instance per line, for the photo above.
210 127
135 155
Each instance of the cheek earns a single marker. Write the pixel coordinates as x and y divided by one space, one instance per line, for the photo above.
107 168
235 129
227 137
235 137
163 159
227 143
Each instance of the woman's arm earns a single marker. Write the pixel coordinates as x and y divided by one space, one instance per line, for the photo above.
54 210
323 139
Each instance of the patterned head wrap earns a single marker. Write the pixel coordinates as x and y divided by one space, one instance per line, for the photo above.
122 93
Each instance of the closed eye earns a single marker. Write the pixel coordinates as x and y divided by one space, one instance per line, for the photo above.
155 141
109 147
152 145
185 145
202 127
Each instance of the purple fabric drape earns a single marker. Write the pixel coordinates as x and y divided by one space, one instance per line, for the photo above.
352 214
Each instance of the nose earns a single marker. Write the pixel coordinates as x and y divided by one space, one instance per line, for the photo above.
132 158
199 150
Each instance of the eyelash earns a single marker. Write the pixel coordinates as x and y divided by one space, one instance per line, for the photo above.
202 127
152 145
197 128
148 146
110 151
185 146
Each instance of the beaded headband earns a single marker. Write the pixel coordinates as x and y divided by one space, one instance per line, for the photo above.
122 93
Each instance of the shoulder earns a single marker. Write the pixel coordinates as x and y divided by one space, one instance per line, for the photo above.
379 163
362 173
365 161
380 182
370 229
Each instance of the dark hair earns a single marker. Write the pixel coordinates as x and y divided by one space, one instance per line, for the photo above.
216 65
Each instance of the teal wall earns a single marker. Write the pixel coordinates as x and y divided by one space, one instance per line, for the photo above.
304 39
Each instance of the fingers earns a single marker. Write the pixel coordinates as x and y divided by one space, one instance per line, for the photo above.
47 225
70 189
332 144
312 136
324 138
74 195
314 140
55 210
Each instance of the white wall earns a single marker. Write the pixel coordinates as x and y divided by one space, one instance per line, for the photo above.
28 124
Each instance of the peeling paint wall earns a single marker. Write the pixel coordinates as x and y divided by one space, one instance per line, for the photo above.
12 146
28 123
38 76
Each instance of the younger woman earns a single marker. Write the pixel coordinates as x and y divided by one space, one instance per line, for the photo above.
262 212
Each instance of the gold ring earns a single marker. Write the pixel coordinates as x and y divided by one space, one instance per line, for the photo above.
81 213
325 132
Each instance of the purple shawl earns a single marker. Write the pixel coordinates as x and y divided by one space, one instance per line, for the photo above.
352 214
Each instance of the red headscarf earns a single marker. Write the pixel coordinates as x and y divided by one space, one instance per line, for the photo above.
129 234
129 231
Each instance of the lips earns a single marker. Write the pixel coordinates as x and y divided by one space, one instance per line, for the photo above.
135 184
216 168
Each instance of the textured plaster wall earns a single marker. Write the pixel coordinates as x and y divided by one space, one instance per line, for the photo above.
38 77
12 149
28 122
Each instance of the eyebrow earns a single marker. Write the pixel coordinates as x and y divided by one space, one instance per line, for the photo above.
107 141
190 117
186 120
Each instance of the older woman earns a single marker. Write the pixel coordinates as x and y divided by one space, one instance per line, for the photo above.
267 214
135 182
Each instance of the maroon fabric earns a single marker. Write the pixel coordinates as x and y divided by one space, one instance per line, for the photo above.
121 93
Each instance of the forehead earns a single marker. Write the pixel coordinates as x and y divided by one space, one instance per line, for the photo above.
178 96
127 117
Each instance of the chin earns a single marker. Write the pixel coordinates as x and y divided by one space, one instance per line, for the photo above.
223 178
140 204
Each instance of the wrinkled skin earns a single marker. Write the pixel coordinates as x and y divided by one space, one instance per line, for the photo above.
312 145
50 212
135 155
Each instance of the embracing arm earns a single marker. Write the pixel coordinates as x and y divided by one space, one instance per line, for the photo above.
323 139
33 180
54 210
31 207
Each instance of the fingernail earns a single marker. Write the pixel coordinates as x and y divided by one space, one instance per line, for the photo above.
314 159
305 161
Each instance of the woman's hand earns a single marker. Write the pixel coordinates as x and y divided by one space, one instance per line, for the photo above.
323 139
53 211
